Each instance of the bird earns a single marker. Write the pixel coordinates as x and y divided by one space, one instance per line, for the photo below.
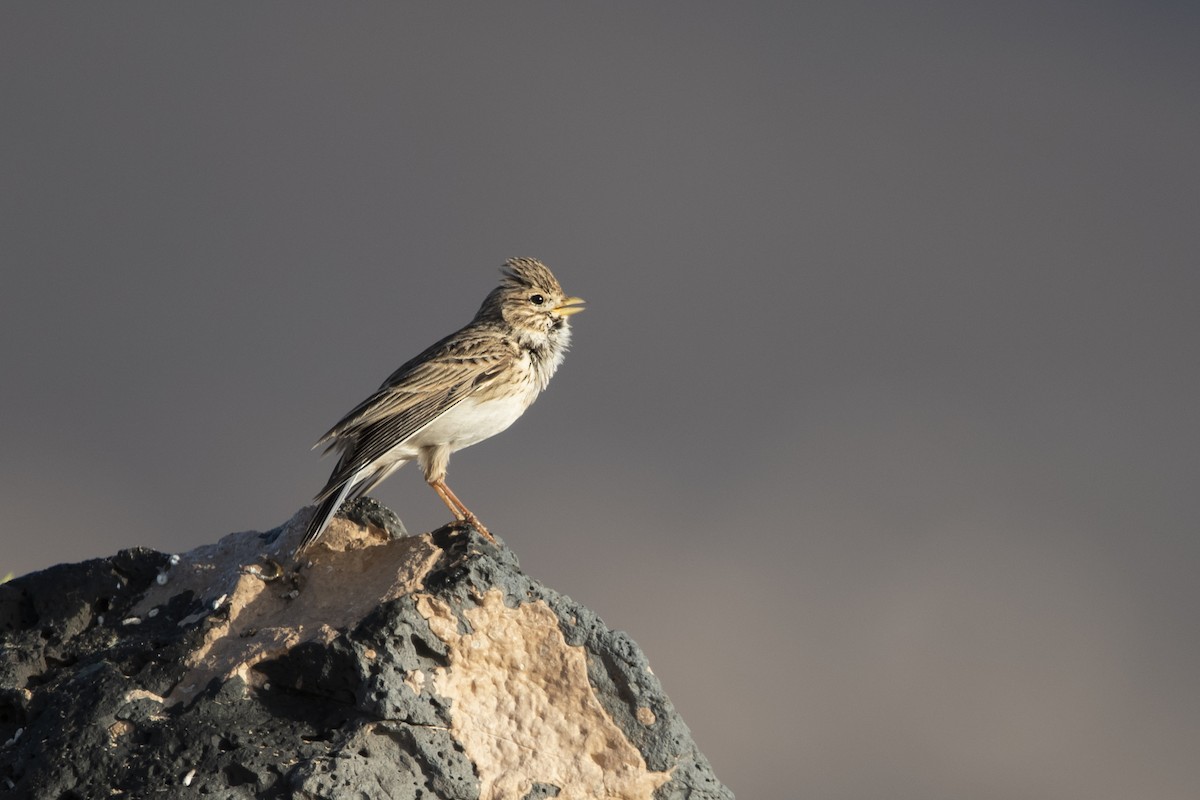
463 389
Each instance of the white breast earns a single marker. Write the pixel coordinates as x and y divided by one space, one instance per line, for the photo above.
470 422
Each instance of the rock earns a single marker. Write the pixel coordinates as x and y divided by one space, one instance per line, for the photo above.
388 666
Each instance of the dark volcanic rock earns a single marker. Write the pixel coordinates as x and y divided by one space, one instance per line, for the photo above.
389 666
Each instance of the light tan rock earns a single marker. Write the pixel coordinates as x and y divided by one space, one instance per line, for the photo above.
352 570
523 707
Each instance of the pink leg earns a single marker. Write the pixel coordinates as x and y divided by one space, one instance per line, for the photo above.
460 511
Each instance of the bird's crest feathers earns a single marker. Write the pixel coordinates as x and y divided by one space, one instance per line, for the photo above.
529 273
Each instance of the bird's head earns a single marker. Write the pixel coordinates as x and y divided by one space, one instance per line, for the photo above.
530 300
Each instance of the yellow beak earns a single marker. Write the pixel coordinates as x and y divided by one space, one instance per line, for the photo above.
570 306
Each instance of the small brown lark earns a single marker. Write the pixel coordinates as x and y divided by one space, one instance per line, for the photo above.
467 387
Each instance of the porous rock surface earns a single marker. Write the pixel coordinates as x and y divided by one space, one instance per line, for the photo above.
389 666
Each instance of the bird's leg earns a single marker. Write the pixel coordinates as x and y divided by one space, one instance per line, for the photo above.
443 491
460 511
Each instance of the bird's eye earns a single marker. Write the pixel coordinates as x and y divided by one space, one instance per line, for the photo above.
537 299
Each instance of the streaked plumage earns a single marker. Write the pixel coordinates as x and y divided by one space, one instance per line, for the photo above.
470 385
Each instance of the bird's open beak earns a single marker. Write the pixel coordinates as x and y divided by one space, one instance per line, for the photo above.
570 306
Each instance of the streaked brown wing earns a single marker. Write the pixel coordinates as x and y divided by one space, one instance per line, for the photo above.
415 395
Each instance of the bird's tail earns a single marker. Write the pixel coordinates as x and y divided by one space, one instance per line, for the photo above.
323 513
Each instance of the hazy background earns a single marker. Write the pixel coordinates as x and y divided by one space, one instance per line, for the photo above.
880 434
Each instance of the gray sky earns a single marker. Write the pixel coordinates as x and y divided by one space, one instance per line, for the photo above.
880 433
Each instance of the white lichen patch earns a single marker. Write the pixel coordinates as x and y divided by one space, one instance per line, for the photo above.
523 709
415 680
141 694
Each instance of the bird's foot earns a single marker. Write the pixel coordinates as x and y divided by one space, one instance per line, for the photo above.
472 521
